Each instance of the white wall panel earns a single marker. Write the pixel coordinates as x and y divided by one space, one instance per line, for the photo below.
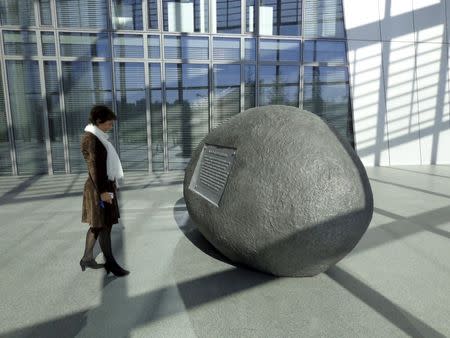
433 95
362 19
369 109
429 20
396 20
401 102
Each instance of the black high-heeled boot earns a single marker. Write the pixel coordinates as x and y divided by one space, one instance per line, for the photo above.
110 263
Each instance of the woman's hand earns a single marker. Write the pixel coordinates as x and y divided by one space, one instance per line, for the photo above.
106 197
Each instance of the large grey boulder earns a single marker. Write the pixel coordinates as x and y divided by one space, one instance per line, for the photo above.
297 198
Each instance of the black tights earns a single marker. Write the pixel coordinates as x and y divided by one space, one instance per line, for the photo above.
91 237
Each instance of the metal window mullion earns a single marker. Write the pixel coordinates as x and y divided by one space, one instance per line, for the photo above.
164 103
62 105
160 8
45 120
147 106
37 13
243 15
54 13
145 21
9 121
109 26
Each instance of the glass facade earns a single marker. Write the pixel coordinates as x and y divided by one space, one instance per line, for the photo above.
172 70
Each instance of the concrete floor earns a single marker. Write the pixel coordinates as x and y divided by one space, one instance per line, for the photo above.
395 283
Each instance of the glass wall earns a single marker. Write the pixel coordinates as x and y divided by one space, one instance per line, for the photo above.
172 70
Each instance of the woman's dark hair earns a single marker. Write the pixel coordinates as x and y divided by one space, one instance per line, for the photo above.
100 114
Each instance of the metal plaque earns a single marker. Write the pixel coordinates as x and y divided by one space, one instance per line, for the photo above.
211 173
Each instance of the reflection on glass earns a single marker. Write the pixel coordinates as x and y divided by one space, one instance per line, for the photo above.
127 14
46 12
20 43
83 14
153 47
15 12
26 103
130 100
54 116
323 19
324 51
5 162
48 44
276 17
186 16
227 97
249 16
326 93
279 50
185 47
84 44
187 110
228 16
279 85
250 49
227 49
156 116
92 82
250 85
152 7
128 45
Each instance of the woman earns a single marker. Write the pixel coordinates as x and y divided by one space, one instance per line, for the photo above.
100 207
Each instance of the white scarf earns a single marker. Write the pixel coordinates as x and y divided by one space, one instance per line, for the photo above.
113 165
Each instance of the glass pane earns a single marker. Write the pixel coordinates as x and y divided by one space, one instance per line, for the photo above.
250 85
5 157
46 12
324 19
186 15
228 16
27 116
250 49
127 14
326 93
324 51
156 117
279 85
15 12
48 44
84 44
153 47
83 13
152 14
227 49
92 82
54 116
187 110
184 47
279 17
227 97
20 43
249 16
131 112
279 50
128 45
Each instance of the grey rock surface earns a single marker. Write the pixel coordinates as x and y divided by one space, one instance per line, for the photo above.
297 199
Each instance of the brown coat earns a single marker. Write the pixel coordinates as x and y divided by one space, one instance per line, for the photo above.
94 153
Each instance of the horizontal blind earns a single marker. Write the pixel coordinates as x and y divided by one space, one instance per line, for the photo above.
323 19
226 49
187 110
46 12
48 44
82 13
153 47
131 112
250 86
228 16
17 12
85 84
176 47
127 14
128 45
152 8
156 116
227 87
20 43
286 16
5 158
54 116
279 85
27 115
84 44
